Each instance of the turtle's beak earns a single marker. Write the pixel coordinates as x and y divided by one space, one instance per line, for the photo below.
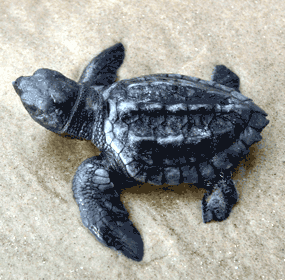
16 85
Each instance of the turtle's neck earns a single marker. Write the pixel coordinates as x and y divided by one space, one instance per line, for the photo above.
85 113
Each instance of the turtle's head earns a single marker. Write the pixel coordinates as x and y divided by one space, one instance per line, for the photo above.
49 97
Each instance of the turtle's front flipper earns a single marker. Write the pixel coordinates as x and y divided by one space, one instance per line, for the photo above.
218 205
102 211
224 76
102 68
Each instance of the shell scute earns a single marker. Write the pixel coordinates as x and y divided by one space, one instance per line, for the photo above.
117 145
207 170
243 111
126 107
255 108
189 174
108 126
109 137
142 127
155 175
221 161
220 126
237 150
133 168
172 175
121 130
250 136
126 157
196 134
258 121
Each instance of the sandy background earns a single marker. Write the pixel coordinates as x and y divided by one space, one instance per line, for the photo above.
41 234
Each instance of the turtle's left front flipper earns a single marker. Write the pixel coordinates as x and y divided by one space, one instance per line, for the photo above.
103 68
101 210
218 204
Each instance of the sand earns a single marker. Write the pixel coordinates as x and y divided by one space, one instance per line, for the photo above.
41 234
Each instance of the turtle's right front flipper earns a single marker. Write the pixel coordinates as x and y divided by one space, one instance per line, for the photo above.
101 210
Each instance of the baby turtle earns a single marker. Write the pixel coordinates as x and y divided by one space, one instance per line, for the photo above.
163 128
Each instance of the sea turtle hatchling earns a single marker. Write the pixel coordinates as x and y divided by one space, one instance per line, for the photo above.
162 128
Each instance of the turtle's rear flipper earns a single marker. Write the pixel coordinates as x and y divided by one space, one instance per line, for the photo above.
102 211
224 76
218 205
102 68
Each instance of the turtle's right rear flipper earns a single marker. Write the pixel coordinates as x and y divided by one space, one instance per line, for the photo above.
224 76
101 210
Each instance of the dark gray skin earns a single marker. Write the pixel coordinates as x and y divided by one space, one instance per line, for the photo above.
164 128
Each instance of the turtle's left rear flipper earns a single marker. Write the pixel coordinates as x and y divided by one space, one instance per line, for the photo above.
101 210
217 205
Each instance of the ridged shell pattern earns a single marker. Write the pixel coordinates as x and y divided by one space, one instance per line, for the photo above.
169 128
